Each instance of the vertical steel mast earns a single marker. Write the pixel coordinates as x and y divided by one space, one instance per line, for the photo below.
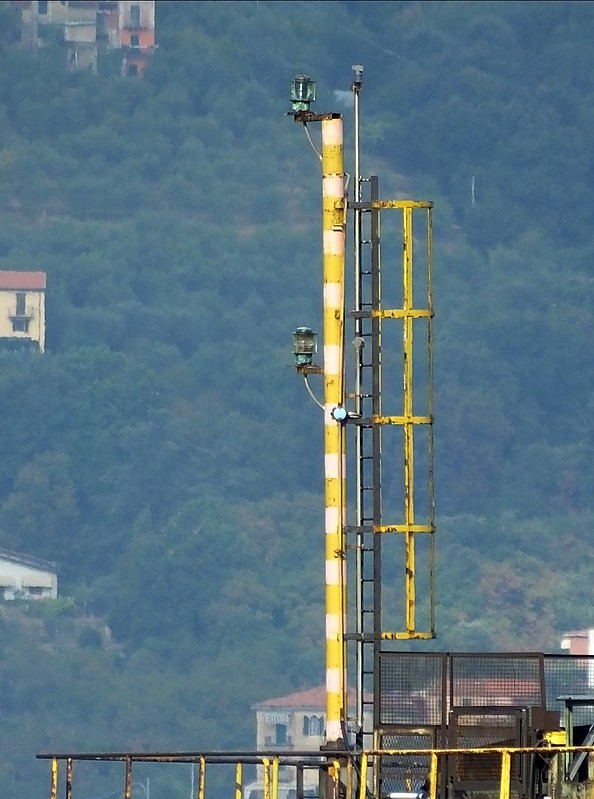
334 215
334 204
392 413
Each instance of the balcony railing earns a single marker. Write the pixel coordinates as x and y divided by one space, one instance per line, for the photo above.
285 743
139 48
26 315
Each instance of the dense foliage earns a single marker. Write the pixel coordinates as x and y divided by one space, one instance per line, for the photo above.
162 450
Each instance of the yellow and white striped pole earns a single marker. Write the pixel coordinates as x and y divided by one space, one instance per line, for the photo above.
333 196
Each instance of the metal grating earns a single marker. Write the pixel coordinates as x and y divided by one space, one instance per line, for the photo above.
506 680
410 688
469 768
465 701
423 688
570 675
404 772
483 727
476 730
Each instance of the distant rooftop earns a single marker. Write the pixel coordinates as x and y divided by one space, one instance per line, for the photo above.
22 281
27 560
577 633
310 698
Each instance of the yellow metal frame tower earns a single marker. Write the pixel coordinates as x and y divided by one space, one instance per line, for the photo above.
392 539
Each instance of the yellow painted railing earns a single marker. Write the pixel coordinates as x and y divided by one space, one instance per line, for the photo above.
344 774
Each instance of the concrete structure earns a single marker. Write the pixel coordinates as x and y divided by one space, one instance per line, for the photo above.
22 576
94 26
22 310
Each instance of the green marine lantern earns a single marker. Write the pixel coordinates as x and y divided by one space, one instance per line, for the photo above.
305 345
303 92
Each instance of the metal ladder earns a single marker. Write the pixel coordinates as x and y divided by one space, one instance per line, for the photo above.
367 466
364 537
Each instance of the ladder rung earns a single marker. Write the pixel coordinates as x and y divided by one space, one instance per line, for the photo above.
365 638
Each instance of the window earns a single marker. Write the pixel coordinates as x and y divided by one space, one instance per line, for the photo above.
20 325
135 16
134 40
42 7
313 725
20 319
281 733
133 69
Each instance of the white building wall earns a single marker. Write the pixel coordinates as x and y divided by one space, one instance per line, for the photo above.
18 579
35 310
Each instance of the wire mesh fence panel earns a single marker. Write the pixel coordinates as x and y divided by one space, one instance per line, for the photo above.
570 677
402 772
493 679
479 729
411 688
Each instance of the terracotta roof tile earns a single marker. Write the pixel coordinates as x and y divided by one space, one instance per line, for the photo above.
314 698
33 281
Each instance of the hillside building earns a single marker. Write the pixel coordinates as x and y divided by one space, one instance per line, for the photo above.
579 642
296 722
91 27
22 310
25 577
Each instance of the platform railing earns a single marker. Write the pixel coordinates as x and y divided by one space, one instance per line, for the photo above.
340 774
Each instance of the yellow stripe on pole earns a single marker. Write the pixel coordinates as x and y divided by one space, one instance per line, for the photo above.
201 777
238 781
505 775
54 786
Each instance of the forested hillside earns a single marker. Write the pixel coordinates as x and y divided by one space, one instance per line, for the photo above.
163 451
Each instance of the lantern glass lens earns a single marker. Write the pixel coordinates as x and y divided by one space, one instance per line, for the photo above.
304 341
303 92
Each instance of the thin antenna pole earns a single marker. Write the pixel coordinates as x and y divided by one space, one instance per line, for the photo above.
357 84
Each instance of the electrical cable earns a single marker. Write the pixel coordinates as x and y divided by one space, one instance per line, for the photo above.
310 392
313 146
351 749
